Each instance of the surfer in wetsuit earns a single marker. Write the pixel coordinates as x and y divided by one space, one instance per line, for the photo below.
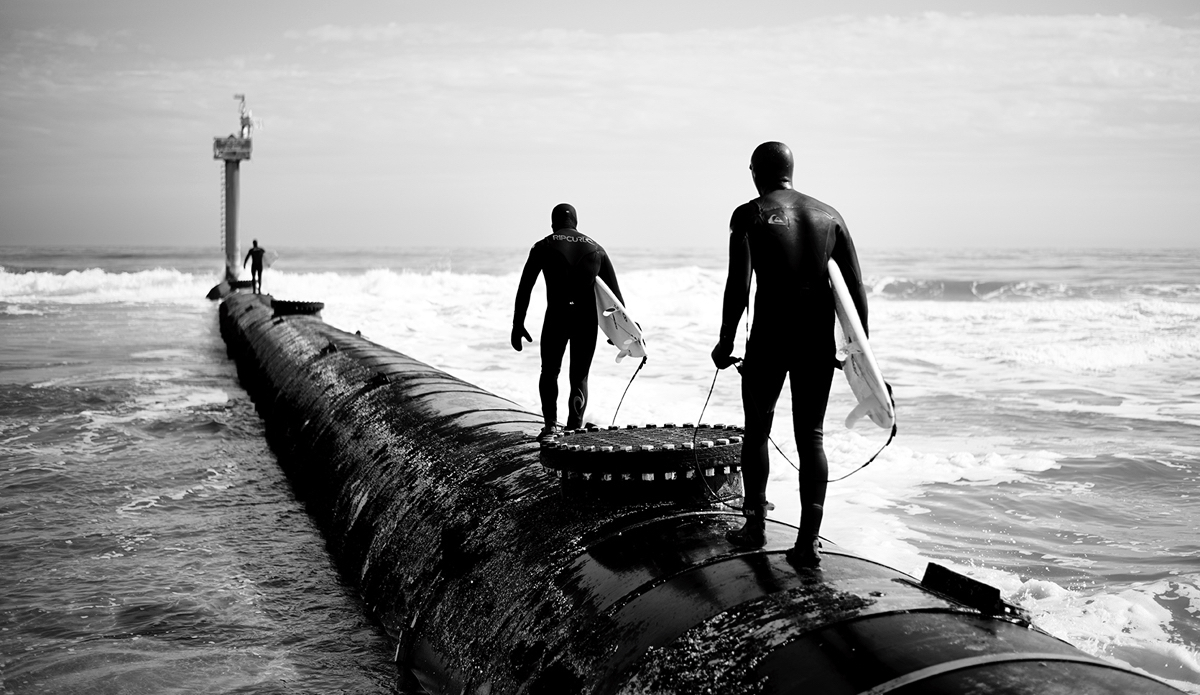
785 239
570 263
255 255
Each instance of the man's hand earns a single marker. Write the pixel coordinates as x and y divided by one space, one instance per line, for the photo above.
722 354
518 332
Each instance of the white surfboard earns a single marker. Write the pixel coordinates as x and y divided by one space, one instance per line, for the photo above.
862 372
617 324
269 258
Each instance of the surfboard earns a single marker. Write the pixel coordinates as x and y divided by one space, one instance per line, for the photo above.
860 368
616 323
269 258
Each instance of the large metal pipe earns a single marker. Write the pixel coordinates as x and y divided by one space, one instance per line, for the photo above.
491 581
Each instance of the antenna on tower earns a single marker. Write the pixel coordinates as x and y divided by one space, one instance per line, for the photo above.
246 117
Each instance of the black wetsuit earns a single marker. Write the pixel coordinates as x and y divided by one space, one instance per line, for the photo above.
570 263
786 238
255 256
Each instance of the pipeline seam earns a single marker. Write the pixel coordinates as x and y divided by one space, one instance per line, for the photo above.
367 349
433 373
655 582
477 392
385 357
658 581
972 662
473 389
953 609
346 400
493 410
481 425
626 599
647 522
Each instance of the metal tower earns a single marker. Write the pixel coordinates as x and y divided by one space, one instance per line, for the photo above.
232 149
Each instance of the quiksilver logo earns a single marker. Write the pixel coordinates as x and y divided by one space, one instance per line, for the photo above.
776 219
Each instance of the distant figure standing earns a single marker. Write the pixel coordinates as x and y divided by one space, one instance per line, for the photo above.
786 239
255 256
570 263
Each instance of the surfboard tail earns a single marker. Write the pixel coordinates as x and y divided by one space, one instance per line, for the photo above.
619 328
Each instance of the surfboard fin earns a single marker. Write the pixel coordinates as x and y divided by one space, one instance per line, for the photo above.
621 355
610 311
877 412
857 414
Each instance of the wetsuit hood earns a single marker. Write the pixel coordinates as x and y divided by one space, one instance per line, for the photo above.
772 165
563 216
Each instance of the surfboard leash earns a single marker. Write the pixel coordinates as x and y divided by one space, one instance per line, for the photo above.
891 436
635 373
695 433
885 444
696 459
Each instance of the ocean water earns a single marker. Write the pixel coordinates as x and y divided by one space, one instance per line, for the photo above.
1049 443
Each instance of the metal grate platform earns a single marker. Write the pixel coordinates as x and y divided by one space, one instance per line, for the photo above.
649 453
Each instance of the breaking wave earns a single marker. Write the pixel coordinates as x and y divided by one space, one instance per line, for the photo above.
984 290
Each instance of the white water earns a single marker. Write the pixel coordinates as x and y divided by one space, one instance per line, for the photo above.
1049 427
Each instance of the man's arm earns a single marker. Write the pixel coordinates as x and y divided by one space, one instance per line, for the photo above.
737 292
247 258
847 260
524 290
737 284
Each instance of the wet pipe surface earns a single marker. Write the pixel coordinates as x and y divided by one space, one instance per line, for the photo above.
491 580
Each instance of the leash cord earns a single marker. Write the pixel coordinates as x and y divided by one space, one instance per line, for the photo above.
785 458
696 458
635 373
885 444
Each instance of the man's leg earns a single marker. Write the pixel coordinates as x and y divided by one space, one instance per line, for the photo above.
762 380
810 396
553 346
583 349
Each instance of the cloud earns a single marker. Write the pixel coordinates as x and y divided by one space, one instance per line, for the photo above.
931 81
329 33
70 39
960 110
884 76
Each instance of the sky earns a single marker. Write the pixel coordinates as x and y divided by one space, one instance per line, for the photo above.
926 123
